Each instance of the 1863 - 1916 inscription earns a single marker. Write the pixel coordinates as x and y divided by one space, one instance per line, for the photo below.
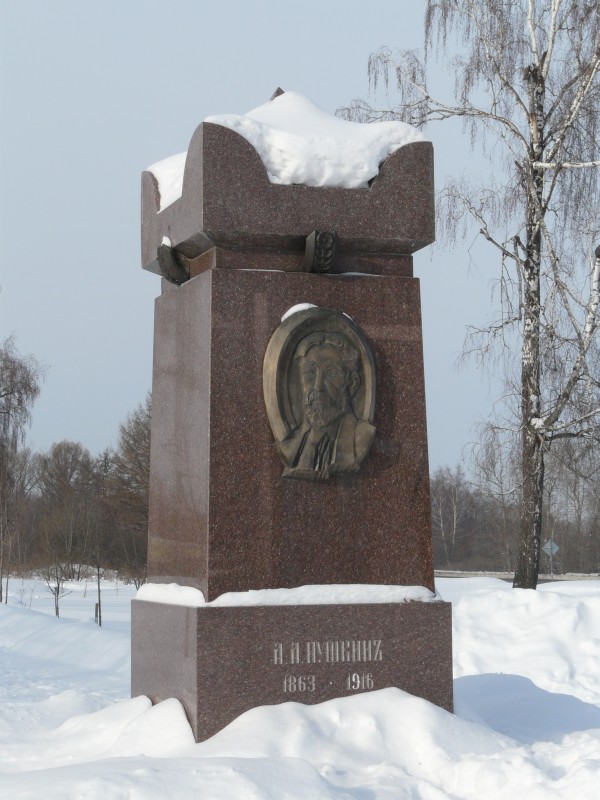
333 652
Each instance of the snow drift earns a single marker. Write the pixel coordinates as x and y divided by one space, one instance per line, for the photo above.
527 720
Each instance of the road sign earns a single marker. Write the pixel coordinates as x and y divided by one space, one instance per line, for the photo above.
550 548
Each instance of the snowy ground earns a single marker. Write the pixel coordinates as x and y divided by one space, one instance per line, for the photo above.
527 723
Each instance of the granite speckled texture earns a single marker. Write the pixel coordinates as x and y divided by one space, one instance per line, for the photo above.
232 659
221 516
229 201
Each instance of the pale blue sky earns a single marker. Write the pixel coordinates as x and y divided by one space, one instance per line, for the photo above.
92 93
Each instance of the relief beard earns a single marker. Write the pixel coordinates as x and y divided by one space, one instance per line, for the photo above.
322 410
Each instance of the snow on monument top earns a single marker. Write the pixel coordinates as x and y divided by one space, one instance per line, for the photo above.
299 143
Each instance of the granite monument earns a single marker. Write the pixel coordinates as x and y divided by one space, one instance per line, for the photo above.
288 435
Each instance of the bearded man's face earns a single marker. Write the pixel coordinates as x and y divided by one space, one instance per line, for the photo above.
324 385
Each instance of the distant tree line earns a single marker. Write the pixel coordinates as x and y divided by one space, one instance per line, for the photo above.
63 512
72 513
475 520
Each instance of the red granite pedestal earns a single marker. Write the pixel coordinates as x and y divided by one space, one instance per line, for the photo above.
222 661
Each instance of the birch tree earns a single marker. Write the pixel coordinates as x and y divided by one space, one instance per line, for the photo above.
527 90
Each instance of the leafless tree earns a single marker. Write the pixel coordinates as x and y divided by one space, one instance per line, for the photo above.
451 502
20 379
129 485
573 500
67 485
495 471
527 89
54 576
19 484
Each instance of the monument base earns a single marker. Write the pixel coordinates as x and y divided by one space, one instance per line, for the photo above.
220 661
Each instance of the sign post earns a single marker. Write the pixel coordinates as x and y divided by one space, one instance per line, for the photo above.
551 549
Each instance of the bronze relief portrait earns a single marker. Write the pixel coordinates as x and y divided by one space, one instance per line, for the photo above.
319 388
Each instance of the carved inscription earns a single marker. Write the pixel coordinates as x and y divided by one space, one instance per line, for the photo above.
334 652
299 683
359 682
331 651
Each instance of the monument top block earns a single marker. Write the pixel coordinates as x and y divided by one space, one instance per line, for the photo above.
237 190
